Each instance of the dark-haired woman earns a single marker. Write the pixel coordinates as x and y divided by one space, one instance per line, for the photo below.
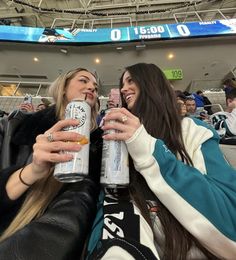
181 202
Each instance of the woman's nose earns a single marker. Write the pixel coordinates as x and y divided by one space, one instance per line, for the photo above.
123 89
91 87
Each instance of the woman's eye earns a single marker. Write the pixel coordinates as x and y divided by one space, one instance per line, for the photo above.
130 81
83 80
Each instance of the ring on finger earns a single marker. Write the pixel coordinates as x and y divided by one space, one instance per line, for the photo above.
50 137
124 119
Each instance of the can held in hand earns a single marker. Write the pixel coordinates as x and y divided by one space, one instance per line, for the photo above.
76 169
115 163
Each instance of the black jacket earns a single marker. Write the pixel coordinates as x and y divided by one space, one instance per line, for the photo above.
62 230
18 133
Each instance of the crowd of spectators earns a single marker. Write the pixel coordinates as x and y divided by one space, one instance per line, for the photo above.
194 104
225 121
199 106
27 106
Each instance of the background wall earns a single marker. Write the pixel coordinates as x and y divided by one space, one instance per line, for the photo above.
205 62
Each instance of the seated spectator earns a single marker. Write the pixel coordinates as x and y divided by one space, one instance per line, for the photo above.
181 98
181 200
190 106
40 106
193 111
225 121
206 102
8 129
27 104
181 107
228 85
45 104
26 107
41 218
198 99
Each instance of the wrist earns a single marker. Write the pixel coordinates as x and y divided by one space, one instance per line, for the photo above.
28 176
21 179
39 171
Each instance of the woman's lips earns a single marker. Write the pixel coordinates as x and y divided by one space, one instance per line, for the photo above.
89 95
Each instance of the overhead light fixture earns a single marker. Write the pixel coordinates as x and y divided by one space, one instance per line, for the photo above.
64 50
170 56
119 48
36 59
97 60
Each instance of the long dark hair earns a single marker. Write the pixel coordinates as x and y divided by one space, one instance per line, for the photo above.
156 108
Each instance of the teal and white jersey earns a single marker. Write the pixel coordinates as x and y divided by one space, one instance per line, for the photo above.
203 197
224 123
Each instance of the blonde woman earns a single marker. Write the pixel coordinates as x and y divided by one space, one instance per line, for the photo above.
46 219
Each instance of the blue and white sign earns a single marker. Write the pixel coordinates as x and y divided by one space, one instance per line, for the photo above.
122 34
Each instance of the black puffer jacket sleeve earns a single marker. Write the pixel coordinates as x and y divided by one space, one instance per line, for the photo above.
62 230
8 207
5 203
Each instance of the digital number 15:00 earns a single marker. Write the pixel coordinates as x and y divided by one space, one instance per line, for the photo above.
181 28
148 30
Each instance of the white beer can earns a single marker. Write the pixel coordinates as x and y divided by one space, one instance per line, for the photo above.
115 163
76 169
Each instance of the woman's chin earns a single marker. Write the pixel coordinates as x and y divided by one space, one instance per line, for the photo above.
90 102
130 105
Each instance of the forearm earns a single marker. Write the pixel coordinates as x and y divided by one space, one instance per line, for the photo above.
15 187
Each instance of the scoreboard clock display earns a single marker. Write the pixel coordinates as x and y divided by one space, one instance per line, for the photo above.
121 34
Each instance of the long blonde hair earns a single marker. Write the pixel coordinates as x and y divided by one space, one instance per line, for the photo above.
57 91
42 192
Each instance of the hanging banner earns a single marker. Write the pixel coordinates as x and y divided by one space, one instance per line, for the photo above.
121 34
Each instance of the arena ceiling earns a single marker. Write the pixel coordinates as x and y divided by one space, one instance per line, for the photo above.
111 13
198 60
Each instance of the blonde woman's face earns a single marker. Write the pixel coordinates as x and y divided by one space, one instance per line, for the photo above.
84 84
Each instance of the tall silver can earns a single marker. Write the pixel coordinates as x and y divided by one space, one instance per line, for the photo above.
76 169
115 163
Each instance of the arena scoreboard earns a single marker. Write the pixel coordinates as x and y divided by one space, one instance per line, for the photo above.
118 35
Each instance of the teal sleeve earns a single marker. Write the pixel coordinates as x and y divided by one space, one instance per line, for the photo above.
212 194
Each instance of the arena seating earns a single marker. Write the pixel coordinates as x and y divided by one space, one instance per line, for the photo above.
229 152
217 98
10 103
